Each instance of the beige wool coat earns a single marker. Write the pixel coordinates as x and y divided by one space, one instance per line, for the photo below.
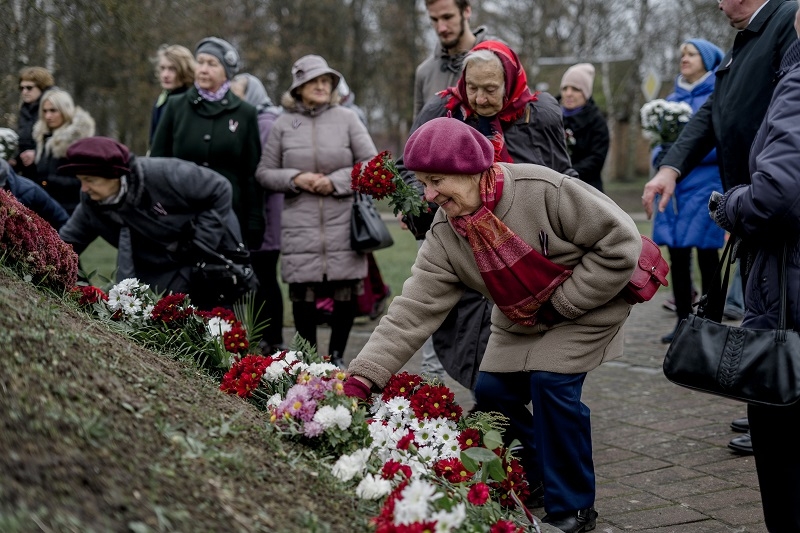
315 229
586 231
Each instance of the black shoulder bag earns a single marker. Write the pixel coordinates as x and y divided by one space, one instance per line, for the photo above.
368 232
758 366
219 279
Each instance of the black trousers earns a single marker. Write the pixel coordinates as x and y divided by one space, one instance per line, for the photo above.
777 464
269 294
341 322
681 270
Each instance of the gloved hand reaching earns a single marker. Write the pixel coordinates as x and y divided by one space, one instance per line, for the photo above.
713 203
355 388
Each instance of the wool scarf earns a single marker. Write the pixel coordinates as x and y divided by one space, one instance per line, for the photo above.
519 278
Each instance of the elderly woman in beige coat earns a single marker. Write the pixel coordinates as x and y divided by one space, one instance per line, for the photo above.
309 156
553 254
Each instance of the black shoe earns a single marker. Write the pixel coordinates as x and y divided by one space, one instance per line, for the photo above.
338 360
573 521
741 425
742 444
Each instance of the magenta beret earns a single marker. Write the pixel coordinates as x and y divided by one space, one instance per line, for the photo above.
448 146
97 156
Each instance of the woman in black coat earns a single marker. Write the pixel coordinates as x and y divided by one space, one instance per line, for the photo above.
585 128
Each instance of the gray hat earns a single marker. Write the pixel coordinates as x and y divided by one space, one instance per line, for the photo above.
309 67
222 50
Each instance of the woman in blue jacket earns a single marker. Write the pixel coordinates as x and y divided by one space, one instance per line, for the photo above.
684 225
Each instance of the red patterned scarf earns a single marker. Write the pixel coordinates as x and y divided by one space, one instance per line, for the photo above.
519 278
517 96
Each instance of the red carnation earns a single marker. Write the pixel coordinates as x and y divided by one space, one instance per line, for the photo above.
172 310
392 467
478 494
406 441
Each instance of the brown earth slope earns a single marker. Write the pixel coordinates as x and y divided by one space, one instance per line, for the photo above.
98 434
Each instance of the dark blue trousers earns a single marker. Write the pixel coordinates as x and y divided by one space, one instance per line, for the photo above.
556 437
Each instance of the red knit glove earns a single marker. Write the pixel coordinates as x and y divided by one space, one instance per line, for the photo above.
355 388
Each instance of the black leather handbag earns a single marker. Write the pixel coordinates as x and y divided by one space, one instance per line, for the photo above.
221 279
368 232
758 366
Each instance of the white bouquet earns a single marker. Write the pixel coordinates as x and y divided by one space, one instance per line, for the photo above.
662 121
8 143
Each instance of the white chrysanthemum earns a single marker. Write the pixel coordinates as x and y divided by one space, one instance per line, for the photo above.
126 285
446 435
114 301
329 417
398 408
379 433
320 369
292 356
274 372
348 466
378 410
428 454
131 305
342 417
450 521
274 400
426 436
217 326
148 310
297 368
450 450
373 487
413 503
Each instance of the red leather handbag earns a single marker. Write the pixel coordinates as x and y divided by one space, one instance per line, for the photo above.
650 274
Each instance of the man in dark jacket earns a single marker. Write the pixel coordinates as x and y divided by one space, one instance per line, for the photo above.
731 116
32 196
154 210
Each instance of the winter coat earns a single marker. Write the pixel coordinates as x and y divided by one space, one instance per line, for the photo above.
273 201
158 107
766 213
587 141
32 196
169 204
315 234
685 223
587 232
441 70
746 78
222 136
51 149
28 115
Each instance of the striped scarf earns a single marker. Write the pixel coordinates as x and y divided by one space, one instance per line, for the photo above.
519 278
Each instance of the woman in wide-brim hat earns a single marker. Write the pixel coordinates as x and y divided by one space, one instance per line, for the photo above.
309 156
519 234
211 126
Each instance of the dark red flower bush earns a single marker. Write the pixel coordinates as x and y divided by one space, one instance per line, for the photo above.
30 244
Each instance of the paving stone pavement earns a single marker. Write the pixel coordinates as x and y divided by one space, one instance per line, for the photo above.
660 451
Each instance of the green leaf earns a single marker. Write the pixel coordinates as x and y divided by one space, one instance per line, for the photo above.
493 439
495 469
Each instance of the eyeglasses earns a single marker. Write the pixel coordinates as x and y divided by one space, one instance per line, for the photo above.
26 87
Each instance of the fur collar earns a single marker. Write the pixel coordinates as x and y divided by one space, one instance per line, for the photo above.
56 145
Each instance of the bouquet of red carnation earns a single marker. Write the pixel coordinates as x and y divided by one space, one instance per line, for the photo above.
380 179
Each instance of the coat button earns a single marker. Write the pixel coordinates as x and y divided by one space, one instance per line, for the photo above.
206 137
224 101
205 163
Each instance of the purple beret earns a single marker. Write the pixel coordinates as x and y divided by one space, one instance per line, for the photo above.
448 146
97 156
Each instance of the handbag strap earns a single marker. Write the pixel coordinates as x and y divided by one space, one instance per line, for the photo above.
712 304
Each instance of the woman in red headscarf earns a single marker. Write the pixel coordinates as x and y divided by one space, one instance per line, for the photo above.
492 96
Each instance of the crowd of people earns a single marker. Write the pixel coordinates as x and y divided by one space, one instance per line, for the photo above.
513 293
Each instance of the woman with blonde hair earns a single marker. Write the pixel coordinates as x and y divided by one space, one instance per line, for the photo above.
60 124
175 72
